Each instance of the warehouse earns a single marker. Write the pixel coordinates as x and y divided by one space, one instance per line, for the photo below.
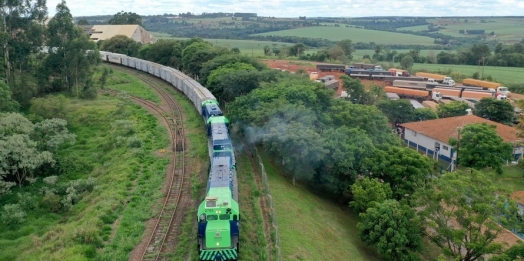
133 31
433 136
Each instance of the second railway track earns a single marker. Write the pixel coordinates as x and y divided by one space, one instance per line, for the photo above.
178 201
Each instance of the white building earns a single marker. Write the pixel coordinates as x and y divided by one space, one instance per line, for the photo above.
133 31
432 137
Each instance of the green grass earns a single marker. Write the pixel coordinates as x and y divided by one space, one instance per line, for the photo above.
248 47
508 30
503 75
355 35
511 179
127 188
358 54
252 239
122 174
122 81
313 228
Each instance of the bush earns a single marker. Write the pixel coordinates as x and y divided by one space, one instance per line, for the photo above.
13 214
134 142
52 202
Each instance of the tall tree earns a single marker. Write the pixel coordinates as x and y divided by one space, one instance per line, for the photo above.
496 110
71 54
21 32
356 91
346 47
406 62
397 111
461 211
393 229
479 146
125 18
452 109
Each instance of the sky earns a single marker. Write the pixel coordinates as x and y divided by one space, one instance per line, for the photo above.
295 8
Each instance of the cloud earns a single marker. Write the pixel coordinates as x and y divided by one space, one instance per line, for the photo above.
295 8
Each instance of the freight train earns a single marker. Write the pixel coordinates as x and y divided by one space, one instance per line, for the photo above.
218 216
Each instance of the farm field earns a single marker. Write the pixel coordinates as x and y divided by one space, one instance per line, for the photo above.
302 214
359 53
355 35
249 47
505 75
508 30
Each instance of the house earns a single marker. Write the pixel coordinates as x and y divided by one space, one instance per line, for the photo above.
133 31
432 137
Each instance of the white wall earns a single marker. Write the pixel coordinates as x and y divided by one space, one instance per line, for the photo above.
427 142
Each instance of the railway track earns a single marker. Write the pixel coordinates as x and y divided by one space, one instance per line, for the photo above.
163 240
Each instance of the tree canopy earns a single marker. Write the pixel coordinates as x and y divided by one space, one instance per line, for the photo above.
121 44
479 146
452 109
125 18
393 229
496 110
368 193
461 211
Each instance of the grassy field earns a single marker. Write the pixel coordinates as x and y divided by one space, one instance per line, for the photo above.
508 30
504 75
248 47
355 34
358 54
313 228
102 226
511 178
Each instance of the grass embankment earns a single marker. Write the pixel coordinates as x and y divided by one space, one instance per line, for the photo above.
124 82
107 223
252 239
511 179
310 227
123 174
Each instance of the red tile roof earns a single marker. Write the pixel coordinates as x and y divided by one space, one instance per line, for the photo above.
445 128
518 196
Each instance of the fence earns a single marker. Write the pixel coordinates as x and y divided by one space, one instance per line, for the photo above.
269 198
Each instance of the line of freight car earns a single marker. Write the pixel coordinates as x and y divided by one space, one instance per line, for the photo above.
331 67
417 85
389 79
368 74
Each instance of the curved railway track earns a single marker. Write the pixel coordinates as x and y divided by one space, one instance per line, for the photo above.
163 239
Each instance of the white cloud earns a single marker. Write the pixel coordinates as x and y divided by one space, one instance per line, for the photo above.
295 8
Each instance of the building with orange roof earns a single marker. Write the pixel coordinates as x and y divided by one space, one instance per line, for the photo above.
432 137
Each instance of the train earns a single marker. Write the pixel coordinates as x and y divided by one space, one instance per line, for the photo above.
218 215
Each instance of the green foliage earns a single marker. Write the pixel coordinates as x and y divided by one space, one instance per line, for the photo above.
12 214
368 193
514 253
72 56
355 88
51 106
479 146
223 60
7 104
125 18
461 211
346 47
424 114
399 111
393 229
402 168
496 110
121 44
406 62
452 109
191 62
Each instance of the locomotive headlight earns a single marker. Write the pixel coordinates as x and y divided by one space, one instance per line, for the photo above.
218 244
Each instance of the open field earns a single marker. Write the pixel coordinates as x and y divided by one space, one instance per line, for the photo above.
248 47
359 53
313 228
504 75
508 30
355 35
511 178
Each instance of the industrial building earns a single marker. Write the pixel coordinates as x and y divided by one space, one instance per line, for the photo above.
133 31
432 137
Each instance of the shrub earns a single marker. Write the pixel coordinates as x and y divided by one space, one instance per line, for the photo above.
13 214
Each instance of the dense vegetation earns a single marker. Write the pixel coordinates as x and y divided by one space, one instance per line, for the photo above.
345 149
